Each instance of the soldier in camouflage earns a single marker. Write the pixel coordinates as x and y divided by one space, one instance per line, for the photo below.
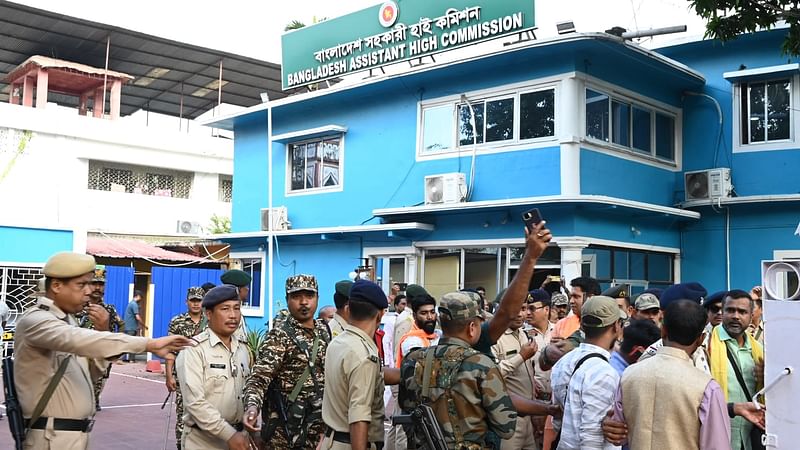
188 324
467 392
115 322
287 379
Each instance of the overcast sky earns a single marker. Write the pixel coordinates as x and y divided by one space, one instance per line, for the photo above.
253 28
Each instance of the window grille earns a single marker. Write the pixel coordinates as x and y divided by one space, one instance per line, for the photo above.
113 177
225 188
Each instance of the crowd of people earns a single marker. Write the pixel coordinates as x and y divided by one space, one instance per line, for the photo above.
563 366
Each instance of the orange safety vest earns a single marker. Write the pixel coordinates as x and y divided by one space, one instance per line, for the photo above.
415 332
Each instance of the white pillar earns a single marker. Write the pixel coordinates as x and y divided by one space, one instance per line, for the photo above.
571 257
570 112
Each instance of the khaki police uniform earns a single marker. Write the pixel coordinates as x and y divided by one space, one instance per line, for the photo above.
353 389
518 375
45 336
211 381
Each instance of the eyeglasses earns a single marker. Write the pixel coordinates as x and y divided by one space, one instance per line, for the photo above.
715 309
536 308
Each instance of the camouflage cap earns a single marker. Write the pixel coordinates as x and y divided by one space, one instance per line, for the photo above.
559 299
195 292
99 274
302 282
460 305
647 301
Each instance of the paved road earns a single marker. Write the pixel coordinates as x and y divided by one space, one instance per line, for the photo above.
131 418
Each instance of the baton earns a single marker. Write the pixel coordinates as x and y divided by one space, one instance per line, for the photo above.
169 394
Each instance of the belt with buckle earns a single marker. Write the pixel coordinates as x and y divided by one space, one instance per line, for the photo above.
238 426
344 438
82 425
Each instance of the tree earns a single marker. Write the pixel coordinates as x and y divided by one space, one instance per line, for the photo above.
220 225
726 19
294 25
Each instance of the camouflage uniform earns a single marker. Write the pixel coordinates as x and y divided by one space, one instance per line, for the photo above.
115 325
282 360
467 391
183 325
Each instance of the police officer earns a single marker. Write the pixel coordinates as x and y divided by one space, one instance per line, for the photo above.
115 321
241 280
52 349
212 376
467 392
292 357
341 296
353 405
188 324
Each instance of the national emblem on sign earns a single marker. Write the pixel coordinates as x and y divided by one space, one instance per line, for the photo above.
388 13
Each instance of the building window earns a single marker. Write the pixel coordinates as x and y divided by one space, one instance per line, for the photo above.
225 188
631 126
253 267
315 164
113 177
509 118
766 111
637 268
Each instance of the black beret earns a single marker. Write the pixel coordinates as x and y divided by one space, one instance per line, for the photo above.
412 290
716 297
617 291
369 292
693 291
343 288
236 277
539 295
220 294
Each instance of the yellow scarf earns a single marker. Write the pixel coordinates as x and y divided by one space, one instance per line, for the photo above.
718 358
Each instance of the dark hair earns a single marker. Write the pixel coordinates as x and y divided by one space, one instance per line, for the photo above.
362 310
208 286
340 300
398 298
588 285
684 321
137 293
596 332
639 333
628 303
736 294
47 283
454 326
480 288
419 301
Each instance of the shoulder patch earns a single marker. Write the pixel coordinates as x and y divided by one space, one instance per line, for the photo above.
202 337
44 307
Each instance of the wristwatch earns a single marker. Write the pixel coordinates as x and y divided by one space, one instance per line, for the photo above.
731 413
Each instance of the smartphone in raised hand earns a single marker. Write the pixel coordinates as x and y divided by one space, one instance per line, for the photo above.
532 217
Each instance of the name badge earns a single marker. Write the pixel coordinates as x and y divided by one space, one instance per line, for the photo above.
218 366
511 352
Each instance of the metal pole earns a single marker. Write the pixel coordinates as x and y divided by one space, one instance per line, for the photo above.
105 77
180 114
653 32
270 259
219 88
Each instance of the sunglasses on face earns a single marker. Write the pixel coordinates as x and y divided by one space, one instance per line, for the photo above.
715 309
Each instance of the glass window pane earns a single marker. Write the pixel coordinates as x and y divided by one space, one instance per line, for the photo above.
620 123
756 113
659 267
641 129
437 129
330 151
465 132
537 114
442 271
778 112
253 268
500 120
665 136
298 166
597 115
480 270
602 262
620 265
636 266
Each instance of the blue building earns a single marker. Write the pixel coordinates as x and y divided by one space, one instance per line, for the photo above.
388 175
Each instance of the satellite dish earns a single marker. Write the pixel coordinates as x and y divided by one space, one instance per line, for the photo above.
697 185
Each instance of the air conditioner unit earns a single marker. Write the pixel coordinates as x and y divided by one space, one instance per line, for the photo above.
708 184
445 188
188 227
279 217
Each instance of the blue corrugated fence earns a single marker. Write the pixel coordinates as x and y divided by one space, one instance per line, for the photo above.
171 284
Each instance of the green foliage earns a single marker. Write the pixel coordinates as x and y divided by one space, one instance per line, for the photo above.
220 225
23 142
255 338
726 19
294 25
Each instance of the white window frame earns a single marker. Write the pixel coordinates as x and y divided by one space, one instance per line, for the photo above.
794 125
249 311
515 91
634 100
320 190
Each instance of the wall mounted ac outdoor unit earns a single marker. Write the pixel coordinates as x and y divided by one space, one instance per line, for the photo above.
188 227
445 188
279 217
708 184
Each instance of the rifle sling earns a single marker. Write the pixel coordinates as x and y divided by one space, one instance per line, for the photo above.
426 375
307 372
49 390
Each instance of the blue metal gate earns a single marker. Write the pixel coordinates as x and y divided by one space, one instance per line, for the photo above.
170 285
118 287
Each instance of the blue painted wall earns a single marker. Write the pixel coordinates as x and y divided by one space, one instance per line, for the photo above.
32 245
250 180
614 176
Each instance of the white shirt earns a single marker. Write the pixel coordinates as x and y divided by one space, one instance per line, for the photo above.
590 397
387 323
413 342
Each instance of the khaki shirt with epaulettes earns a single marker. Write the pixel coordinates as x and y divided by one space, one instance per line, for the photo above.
45 336
212 379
